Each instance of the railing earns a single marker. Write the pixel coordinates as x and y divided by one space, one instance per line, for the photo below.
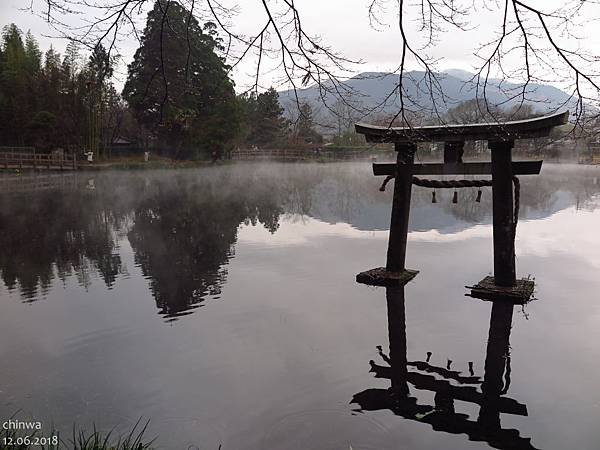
22 160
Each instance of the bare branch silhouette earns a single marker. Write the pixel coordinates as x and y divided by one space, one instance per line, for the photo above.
542 39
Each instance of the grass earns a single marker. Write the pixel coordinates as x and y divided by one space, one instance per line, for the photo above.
79 439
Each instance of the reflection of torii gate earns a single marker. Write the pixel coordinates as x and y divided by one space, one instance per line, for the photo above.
442 416
501 138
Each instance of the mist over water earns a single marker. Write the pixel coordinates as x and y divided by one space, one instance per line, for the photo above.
220 303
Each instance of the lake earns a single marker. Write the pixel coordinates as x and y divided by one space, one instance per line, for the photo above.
221 305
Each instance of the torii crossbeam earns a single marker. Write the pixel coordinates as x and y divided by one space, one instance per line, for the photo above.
501 138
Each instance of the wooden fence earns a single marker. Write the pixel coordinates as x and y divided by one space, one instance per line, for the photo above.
38 161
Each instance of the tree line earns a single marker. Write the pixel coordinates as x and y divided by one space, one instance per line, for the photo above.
51 101
178 97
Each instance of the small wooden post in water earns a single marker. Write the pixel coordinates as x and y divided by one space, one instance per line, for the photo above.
503 216
396 254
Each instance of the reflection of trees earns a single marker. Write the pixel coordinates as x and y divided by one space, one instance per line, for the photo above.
323 191
538 194
348 192
467 209
183 224
56 233
582 183
183 235
182 231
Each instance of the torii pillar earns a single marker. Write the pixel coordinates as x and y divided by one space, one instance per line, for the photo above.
395 273
396 254
503 213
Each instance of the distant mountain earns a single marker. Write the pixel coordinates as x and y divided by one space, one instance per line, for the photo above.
372 89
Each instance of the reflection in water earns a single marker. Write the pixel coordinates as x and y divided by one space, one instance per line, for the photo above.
55 233
279 344
182 225
182 232
183 238
442 415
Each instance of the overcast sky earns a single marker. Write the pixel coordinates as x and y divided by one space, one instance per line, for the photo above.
344 25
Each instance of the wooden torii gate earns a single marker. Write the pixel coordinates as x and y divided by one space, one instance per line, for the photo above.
501 138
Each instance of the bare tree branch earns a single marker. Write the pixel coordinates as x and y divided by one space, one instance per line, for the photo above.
542 39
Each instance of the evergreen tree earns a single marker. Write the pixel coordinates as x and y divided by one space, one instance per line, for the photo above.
33 55
51 82
99 72
70 63
100 65
178 86
74 110
305 132
13 97
266 120
46 100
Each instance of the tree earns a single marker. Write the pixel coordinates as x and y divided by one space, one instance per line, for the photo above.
99 70
305 131
70 62
14 93
74 113
33 55
266 121
345 115
178 86
48 101
472 111
42 130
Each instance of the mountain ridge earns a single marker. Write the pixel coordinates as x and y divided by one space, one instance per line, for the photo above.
370 90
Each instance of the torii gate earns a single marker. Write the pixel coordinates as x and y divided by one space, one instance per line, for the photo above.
501 138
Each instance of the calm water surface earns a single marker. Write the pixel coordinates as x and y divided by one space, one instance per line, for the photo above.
220 303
